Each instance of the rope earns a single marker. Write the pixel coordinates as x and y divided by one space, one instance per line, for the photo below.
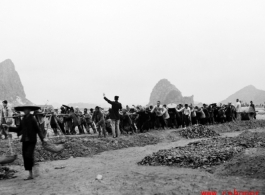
46 115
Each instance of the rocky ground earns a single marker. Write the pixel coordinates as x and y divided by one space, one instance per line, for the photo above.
116 160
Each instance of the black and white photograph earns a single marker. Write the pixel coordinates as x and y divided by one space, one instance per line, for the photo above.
132 97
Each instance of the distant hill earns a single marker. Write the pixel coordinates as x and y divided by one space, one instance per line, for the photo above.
167 93
247 94
83 105
11 88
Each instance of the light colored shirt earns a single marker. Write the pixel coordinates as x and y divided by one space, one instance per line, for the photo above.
6 112
238 107
186 111
159 110
193 112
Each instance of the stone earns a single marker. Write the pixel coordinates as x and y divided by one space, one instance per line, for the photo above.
11 88
167 93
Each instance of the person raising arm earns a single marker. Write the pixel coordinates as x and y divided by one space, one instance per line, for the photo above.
114 115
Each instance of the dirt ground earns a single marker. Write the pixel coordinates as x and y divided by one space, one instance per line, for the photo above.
122 175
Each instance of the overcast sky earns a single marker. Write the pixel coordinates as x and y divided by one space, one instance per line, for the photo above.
73 51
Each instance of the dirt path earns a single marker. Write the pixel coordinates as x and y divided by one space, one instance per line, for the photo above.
122 175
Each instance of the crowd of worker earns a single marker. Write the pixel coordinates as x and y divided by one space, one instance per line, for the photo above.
136 119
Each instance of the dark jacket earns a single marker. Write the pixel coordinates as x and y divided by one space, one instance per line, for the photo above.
74 119
206 112
116 107
53 122
28 128
98 117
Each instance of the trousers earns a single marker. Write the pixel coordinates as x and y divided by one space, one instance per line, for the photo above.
115 127
101 129
3 131
161 121
28 154
238 116
187 120
92 125
80 128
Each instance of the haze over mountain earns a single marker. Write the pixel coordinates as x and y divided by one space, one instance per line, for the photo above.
167 93
11 88
81 49
247 94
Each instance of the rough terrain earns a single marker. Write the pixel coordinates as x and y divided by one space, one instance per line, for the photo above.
122 175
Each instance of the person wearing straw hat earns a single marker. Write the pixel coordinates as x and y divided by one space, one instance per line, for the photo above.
29 130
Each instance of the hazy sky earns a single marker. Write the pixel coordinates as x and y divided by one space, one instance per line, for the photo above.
73 51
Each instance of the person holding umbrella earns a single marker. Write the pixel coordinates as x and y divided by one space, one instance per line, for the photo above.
29 129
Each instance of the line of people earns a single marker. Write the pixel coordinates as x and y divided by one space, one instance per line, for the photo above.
129 120
68 119
180 116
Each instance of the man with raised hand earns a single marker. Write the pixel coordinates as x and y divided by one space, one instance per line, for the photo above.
114 115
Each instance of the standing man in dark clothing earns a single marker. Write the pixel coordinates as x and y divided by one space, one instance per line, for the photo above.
114 115
152 118
180 121
211 115
172 117
229 112
65 110
251 111
143 120
29 130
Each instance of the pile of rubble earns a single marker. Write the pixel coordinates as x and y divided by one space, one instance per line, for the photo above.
205 153
249 163
6 173
199 131
237 126
82 146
